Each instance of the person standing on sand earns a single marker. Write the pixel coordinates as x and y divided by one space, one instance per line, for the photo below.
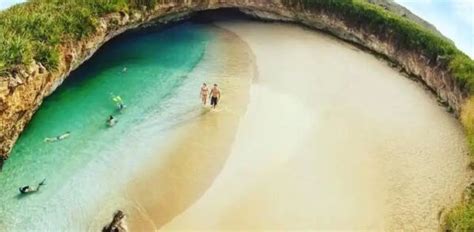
215 96
204 93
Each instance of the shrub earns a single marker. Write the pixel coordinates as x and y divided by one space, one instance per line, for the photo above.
461 218
36 29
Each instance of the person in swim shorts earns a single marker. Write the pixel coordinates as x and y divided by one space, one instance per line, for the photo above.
215 96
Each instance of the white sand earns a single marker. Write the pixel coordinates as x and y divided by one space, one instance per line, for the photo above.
197 149
332 139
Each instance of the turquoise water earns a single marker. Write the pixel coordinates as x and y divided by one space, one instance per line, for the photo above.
83 169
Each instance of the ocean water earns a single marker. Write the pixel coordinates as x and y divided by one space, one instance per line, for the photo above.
149 70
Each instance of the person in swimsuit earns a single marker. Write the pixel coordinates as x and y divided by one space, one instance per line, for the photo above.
215 96
119 102
204 93
58 138
111 121
28 189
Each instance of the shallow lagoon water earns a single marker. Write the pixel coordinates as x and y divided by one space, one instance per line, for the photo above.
82 169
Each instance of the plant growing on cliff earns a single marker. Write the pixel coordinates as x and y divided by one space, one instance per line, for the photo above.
15 50
461 218
462 68
37 29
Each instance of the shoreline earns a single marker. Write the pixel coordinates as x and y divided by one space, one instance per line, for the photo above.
289 171
198 148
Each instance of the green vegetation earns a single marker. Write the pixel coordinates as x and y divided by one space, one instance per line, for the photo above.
37 29
462 218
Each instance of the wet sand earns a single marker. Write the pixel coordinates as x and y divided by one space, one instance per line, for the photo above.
198 148
332 139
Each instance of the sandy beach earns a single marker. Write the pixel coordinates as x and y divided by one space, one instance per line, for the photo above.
332 139
198 148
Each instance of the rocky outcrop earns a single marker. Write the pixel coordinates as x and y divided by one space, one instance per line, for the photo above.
117 224
23 90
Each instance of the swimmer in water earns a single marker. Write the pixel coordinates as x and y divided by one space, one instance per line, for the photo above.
58 138
215 96
111 121
119 102
124 69
204 93
27 189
